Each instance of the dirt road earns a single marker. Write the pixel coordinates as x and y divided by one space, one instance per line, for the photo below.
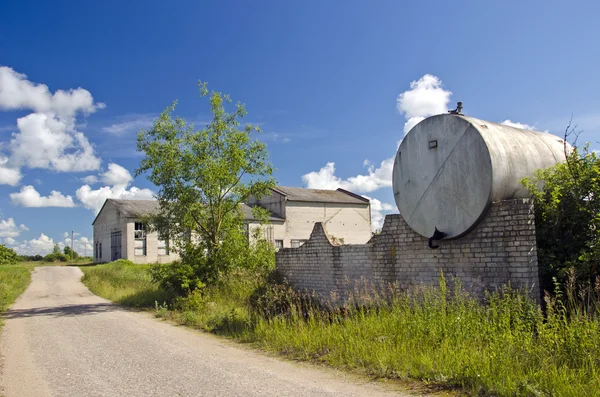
61 340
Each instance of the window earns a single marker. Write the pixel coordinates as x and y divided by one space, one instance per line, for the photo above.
96 251
99 251
163 247
278 244
297 243
139 234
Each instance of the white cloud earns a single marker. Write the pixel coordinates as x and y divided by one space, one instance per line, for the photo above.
29 197
46 138
9 241
94 199
38 246
16 92
376 178
57 146
135 122
425 98
116 175
82 245
10 176
90 179
8 228
377 212
118 178
517 125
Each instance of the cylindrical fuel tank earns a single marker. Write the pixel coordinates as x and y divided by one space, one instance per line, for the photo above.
449 169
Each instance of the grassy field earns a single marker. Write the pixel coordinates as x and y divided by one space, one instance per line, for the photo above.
505 347
127 284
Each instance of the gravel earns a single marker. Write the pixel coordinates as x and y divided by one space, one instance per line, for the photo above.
61 340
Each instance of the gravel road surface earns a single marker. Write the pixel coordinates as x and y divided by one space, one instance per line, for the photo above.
59 339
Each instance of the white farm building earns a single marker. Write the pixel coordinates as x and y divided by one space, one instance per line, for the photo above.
119 232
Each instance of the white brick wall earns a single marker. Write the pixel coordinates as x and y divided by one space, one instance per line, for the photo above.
501 249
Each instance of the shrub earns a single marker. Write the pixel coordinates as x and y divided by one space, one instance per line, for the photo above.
8 256
56 257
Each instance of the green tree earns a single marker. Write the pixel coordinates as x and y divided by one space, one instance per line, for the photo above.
567 215
8 256
70 253
56 249
203 177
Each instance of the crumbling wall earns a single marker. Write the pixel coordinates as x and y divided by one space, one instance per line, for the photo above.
500 250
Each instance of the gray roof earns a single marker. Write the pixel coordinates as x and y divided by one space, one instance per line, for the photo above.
339 196
140 208
134 208
247 211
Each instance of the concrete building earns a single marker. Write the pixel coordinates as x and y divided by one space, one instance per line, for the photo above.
346 215
119 233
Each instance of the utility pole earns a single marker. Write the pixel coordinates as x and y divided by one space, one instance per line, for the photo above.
72 235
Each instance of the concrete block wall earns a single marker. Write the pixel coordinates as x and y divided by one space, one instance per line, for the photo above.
501 249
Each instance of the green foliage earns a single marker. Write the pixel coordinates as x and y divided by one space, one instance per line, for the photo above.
31 258
69 253
203 177
13 281
567 215
7 256
124 282
56 257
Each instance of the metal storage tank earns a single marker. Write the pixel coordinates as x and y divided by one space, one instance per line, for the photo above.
449 169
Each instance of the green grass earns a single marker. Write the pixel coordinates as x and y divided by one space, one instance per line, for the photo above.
13 281
124 283
505 347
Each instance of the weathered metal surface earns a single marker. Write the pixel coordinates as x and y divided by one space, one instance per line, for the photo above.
450 184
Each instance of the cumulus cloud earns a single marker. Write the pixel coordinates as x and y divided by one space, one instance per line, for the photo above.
517 125
29 197
425 98
116 175
10 176
378 212
9 228
94 199
117 180
9 241
46 138
38 246
376 178
81 245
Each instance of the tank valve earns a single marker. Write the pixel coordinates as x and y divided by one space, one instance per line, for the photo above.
458 109
437 235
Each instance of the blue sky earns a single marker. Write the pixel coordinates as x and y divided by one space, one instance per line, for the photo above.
324 80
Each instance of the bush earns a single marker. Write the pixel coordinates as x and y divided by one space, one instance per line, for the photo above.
195 271
7 256
56 257
567 208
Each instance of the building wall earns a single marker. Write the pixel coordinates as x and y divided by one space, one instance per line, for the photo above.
151 248
501 249
275 203
350 222
109 220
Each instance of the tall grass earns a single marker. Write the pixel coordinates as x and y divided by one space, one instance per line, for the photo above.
504 346
13 281
124 283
